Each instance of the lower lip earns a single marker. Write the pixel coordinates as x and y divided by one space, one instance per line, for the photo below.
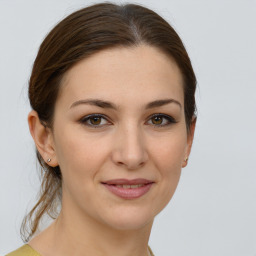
129 193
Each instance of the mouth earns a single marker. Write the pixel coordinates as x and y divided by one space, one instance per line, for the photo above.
128 189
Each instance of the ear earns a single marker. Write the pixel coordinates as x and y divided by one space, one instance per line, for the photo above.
190 139
43 139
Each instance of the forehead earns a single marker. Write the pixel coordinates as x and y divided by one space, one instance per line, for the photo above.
140 73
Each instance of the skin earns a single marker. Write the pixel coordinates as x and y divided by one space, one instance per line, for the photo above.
129 144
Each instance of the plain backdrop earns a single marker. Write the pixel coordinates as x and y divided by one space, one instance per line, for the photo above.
213 212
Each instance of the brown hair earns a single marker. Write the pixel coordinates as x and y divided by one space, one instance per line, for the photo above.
78 36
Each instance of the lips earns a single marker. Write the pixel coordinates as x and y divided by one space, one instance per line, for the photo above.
128 189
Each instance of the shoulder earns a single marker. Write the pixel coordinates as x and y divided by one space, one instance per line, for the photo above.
25 250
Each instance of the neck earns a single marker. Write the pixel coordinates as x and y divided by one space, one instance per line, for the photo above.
77 234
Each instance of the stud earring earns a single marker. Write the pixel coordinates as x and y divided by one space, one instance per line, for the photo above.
186 159
49 160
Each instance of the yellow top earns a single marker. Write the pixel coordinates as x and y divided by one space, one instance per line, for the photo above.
27 250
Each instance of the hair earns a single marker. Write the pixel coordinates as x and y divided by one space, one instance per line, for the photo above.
79 35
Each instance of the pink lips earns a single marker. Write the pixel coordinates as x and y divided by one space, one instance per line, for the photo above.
128 189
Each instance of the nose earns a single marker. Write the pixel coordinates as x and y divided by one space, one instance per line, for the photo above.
129 148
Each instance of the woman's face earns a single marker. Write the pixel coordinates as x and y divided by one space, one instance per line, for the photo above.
120 136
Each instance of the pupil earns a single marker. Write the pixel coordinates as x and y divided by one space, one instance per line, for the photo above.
157 120
95 120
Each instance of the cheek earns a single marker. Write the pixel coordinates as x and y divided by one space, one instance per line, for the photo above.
168 158
79 156
169 152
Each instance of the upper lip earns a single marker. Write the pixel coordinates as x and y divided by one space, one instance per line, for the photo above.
127 182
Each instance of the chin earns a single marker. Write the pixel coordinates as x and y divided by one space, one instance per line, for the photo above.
130 224
129 219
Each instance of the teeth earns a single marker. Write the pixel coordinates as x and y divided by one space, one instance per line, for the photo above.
130 186
136 186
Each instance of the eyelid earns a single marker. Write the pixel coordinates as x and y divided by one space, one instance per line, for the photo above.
86 118
170 119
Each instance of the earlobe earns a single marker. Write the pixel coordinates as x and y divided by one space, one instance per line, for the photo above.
190 139
43 139
185 162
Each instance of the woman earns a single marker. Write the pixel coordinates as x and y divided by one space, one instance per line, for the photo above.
113 118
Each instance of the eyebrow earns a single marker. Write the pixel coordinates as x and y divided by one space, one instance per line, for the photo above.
109 105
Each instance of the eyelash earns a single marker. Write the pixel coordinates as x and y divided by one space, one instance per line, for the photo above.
170 120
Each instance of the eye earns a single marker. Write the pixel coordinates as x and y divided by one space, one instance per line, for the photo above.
162 120
94 121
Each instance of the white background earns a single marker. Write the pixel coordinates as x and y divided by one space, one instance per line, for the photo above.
213 212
